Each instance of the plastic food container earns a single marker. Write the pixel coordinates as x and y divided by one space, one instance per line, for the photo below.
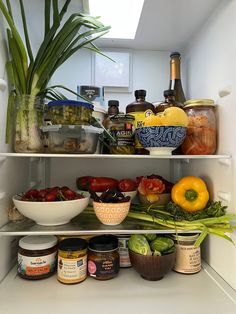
37 257
71 139
70 112
201 131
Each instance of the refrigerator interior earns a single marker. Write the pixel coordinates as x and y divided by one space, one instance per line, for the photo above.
208 70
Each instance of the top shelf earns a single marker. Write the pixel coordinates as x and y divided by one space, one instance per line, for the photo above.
101 156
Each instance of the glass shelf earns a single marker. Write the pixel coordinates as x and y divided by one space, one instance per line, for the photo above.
80 225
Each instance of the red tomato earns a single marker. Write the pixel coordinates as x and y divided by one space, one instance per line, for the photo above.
101 184
127 185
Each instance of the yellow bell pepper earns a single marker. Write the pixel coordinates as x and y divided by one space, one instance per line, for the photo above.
190 193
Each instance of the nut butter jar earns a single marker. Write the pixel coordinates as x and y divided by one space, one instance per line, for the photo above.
37 257
103 257
72 261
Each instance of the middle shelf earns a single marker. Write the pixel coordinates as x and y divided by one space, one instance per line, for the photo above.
80 225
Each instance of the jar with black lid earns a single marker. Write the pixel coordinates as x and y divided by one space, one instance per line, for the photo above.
103 257
72 261
37 257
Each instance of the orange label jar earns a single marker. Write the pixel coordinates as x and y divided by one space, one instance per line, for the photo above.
201 131
37 257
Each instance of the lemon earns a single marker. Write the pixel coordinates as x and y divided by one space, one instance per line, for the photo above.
152 120
174 116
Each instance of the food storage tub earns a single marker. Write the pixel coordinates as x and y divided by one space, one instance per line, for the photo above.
70 112
71 139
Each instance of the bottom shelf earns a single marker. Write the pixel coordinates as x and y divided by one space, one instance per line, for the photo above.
204 292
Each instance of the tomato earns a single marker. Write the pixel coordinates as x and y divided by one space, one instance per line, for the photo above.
127 185
83 183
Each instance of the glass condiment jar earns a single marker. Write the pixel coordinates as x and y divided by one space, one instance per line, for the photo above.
188 257
103 257
72 261
123 240
37 257
122 130
201 131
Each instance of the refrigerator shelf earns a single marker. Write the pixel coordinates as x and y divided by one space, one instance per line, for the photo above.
80 225
108 156
205 292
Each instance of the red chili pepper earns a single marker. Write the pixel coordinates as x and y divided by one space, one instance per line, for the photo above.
101 184
127 185
83 183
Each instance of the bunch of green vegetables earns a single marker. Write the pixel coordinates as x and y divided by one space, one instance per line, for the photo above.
212 220
151 244
30 74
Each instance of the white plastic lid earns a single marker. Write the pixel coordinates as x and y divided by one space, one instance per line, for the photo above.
98 107
38 242
68 128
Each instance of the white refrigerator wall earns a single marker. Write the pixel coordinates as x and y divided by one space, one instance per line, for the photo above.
211 67
13 172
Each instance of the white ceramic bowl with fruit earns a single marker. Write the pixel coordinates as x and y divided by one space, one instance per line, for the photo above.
52 208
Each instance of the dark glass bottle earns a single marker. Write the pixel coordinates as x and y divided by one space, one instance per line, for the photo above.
170 101
140 109
175 77
113 109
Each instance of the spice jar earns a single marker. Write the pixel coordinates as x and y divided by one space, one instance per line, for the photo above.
123 240
201 131
103 257
122 130
72 261
188 257
37 257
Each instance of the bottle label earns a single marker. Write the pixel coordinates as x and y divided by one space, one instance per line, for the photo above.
123 137
188 259
72 270
103 267
138 122
36 266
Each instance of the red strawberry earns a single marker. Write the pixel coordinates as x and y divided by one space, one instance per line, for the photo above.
51 197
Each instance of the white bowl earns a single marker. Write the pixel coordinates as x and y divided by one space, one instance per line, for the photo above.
51 213
132 194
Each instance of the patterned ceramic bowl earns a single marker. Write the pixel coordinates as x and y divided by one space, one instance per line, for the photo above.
161 140
111 213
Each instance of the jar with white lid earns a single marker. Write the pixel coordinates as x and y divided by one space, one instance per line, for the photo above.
201 131
37 257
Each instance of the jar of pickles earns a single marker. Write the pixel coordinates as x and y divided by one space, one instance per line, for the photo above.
201 131
70 112
122 130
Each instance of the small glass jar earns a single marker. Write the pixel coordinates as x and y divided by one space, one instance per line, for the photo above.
188 257
123 240
103 257
70 112
37 257
201 131
72 261
122 129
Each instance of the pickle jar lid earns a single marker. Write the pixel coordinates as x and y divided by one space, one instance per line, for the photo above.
73 244
42 242
199 102
103 243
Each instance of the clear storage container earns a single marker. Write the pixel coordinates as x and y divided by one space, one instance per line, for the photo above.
71 139
201 131
70 112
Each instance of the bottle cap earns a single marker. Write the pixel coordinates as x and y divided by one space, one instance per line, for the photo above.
140 92
113 103
175 54
169 92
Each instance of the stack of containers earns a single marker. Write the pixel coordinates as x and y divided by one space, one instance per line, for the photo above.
70 129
